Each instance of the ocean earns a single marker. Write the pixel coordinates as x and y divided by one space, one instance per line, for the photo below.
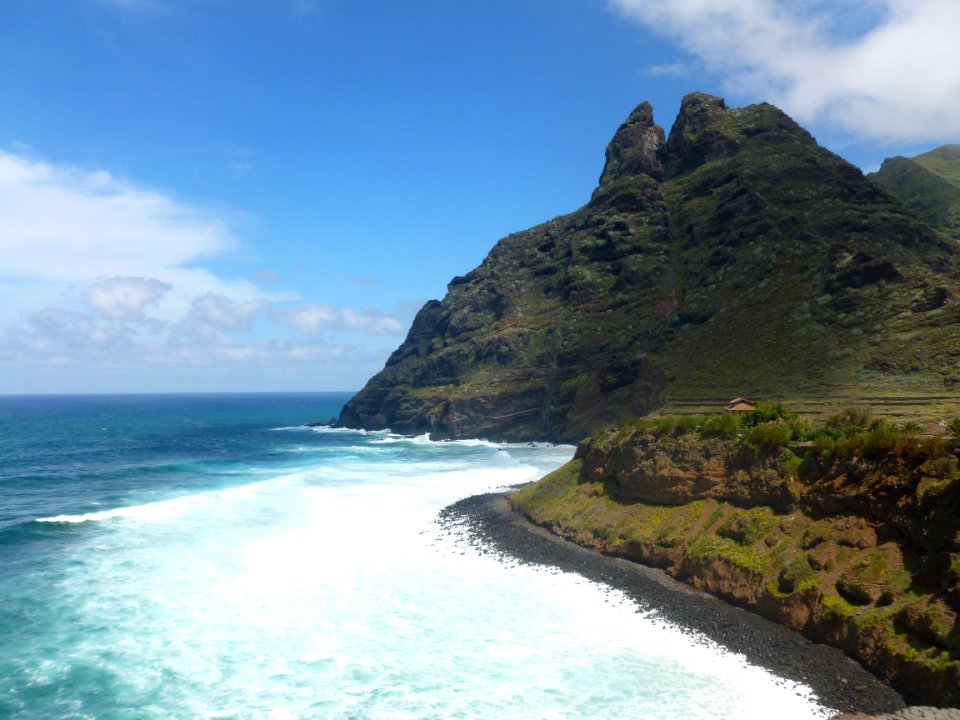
211 556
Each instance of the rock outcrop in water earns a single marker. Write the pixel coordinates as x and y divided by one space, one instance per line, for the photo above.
735 255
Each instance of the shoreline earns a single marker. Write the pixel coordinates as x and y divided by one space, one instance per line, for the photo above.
837 681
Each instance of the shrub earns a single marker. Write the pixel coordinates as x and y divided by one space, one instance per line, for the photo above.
919 450
848 446
684 424
770 436
953 426
664 426
720 426
638 424
945 467
851 421
673 425
824 445
880 441
766 413
789 463
801 429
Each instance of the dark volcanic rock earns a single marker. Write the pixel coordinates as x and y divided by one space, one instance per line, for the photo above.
636 148
736 257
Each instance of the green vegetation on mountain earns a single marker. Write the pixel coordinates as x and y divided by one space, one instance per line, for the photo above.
735 256
928 185
944 161
851 536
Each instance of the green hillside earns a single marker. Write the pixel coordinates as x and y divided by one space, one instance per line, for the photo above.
929 185
944 161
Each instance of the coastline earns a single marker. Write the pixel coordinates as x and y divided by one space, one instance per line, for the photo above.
838 681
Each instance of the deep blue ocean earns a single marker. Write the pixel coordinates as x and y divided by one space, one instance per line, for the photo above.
211 556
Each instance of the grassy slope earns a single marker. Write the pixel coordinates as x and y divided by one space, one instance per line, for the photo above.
766 266
944 161
930 188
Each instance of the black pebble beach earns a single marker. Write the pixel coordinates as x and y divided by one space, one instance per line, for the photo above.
838 682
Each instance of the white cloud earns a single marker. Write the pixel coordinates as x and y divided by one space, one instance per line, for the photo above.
125 298
883 69
312 319
213 317
63 227
63 223
61 335
99 273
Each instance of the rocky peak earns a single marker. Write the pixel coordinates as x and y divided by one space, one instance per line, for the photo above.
695 254
636 147
698 110
702 132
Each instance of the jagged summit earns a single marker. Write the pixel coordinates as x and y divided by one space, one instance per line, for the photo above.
701 132
735 257
706 130
636 147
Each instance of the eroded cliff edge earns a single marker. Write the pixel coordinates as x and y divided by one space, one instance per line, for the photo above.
734 256
856 545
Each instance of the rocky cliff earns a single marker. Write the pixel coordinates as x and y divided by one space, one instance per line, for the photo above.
856 544
734 256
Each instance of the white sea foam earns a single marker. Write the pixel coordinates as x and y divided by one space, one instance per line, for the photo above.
173 507
331 429
149 511
423 439
330 592
349 431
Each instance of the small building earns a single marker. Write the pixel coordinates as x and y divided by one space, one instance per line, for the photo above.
739 404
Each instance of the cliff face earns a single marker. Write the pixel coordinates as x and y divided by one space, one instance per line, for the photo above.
735 256
859 552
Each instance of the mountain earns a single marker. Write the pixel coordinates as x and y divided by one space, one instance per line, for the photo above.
928 185
733 257
944 161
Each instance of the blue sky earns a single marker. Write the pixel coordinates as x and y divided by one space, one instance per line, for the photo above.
209 196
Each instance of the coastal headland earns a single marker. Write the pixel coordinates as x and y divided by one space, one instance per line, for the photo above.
733 254
851 538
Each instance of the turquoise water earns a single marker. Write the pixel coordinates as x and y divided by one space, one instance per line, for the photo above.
212 557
